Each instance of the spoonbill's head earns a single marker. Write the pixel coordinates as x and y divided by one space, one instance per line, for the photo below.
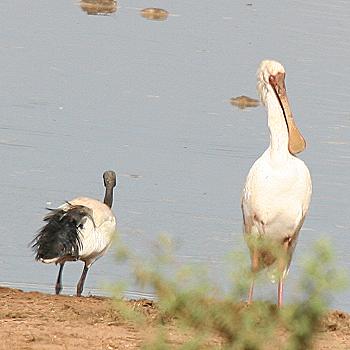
271 76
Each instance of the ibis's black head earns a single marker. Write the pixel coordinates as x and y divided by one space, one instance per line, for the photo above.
110 178
110 181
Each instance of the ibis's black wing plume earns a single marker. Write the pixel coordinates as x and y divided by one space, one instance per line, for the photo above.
60 237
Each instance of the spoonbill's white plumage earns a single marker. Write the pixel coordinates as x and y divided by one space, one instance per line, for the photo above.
278 187
80 229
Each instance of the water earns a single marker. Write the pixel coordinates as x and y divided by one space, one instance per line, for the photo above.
81 94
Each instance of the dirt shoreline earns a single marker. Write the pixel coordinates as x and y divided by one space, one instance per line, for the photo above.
33 320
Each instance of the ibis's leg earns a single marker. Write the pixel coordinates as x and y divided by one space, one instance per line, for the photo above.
58 287
255 267
80 285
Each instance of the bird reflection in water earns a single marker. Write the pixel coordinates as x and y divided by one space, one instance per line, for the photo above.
154 14
244 102
98 7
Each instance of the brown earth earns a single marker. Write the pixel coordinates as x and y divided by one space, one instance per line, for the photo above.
32 320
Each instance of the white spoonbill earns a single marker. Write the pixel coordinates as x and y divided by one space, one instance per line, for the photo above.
81 229
277 192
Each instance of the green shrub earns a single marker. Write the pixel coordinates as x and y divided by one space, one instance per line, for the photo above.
212 319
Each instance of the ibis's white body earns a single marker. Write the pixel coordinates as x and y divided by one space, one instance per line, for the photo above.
96 235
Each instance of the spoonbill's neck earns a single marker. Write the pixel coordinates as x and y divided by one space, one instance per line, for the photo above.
278 128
